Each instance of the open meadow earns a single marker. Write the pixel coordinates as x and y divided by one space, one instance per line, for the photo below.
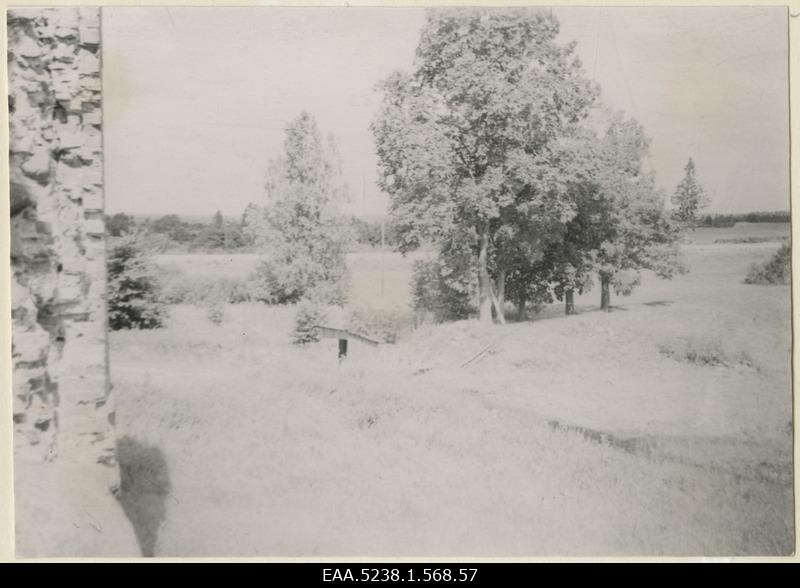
661 428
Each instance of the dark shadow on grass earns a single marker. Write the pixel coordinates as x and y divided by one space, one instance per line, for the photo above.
556 311
144 489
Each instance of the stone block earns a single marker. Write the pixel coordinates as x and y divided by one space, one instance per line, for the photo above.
92 199
94 226
71 287
29 345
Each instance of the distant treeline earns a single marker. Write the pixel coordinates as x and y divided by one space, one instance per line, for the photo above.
174 233
728 220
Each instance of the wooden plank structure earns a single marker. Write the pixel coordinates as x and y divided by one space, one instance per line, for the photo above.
343 335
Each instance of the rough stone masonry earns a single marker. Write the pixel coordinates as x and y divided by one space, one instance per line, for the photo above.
65 466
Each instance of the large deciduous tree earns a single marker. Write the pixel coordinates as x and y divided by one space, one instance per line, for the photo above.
301 229
475 141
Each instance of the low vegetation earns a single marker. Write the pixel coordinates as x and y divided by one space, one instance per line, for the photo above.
308 317
777 271
215 312
180 287
704 351
384 325
675 455
442 292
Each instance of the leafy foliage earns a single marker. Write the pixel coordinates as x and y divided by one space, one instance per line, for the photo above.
475 141
301 230
619 227
568 264
368 232
120 224
635 229
133 289
309 315
446 286
178 287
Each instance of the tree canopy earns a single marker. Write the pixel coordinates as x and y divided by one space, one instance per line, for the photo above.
475 141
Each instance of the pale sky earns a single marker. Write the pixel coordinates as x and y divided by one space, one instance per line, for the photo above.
196 99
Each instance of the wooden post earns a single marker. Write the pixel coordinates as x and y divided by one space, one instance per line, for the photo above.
342 349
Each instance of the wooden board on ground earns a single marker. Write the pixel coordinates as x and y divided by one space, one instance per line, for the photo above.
330 332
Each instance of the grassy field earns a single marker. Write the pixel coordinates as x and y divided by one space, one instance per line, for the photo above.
663 427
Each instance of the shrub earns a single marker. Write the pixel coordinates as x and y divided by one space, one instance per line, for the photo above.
309 315
775 271
133 289
302 278
277 284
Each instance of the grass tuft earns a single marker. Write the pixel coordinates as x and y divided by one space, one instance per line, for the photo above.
705 352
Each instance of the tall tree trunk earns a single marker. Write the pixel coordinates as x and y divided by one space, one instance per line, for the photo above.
569 302
605 293
484 281
500 301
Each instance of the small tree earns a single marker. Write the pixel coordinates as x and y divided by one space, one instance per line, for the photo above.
309 316
689 198
301 230
133 289
119 224
250 226
636 233
218 221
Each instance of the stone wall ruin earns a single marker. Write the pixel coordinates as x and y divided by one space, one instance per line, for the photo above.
64 444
